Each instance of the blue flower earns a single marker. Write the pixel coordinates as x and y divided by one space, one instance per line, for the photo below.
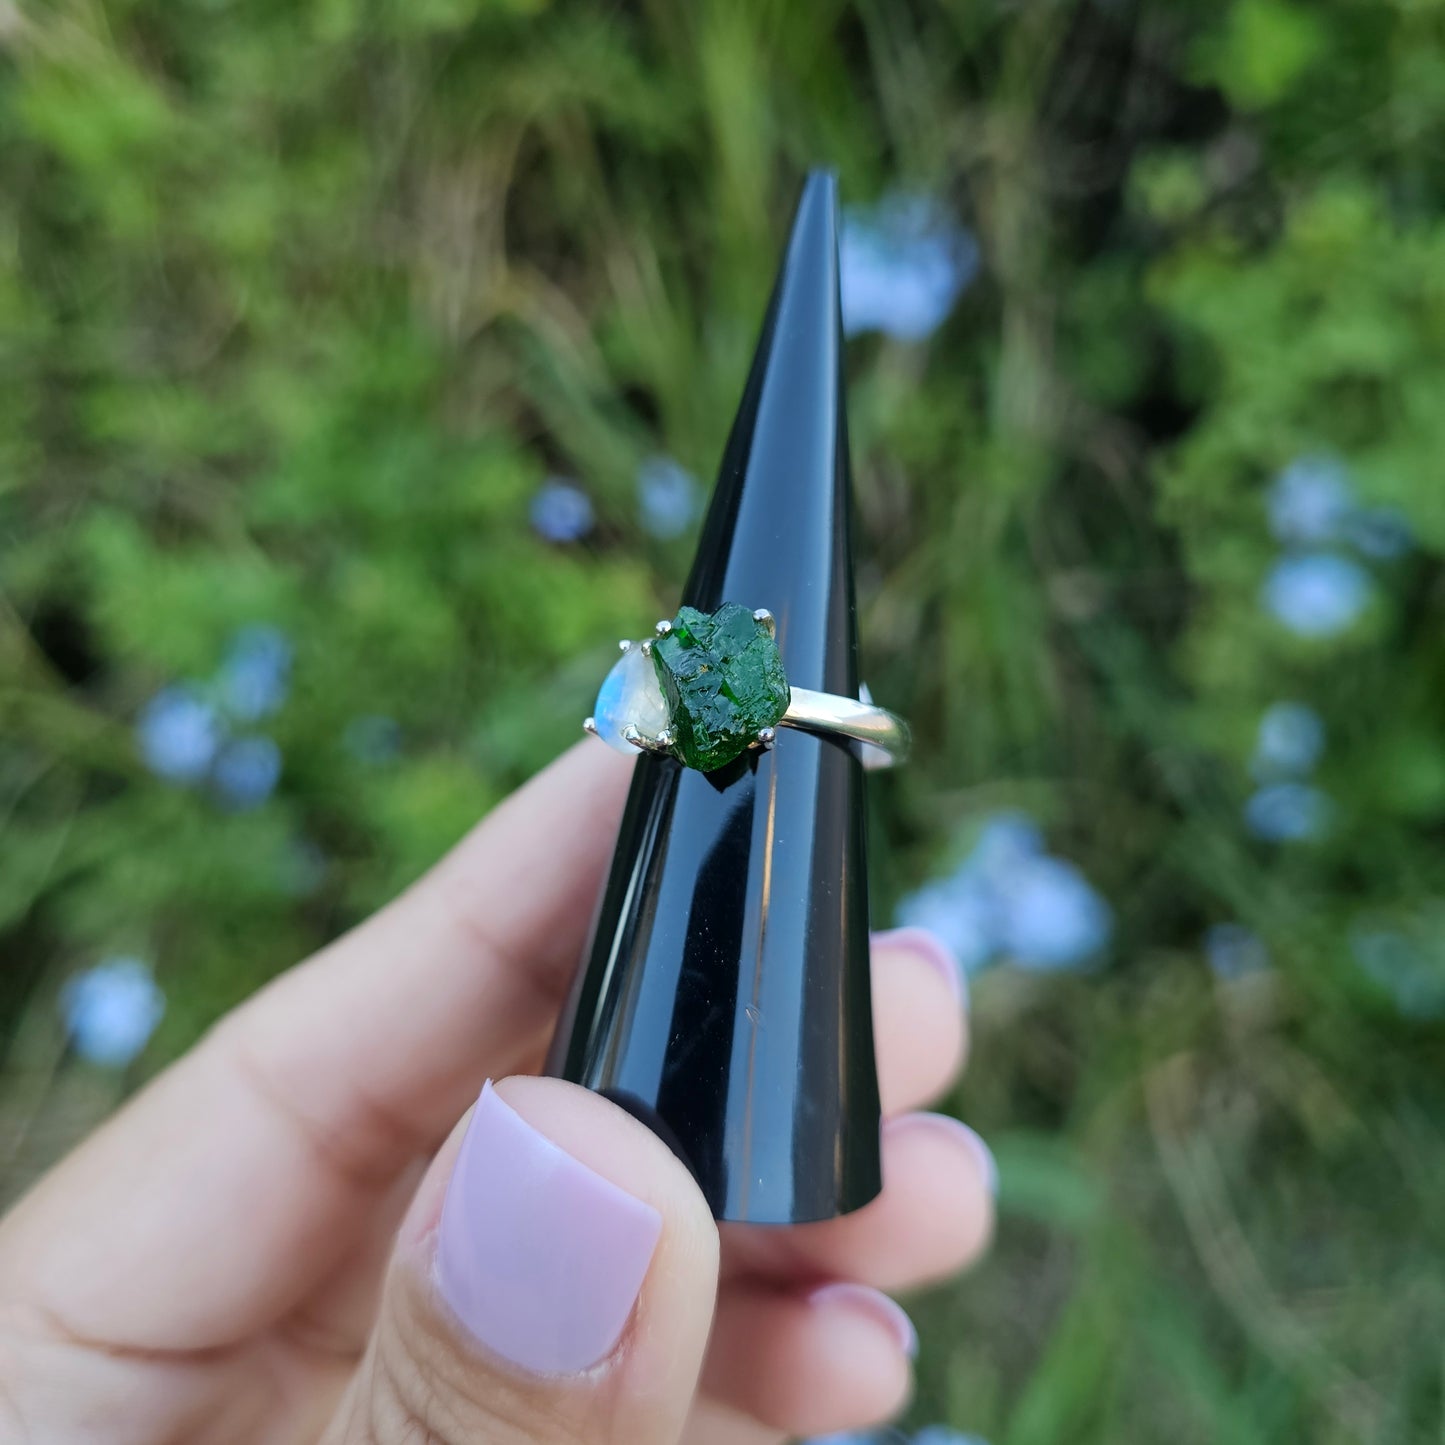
561 511
1051 917
1317 594
1005 840
1233 951
1311 502
255 674
902 266
246 772
1399 967
111 1010
179 733
1010 898
1287 813
1291 739
668 497
961 910
945 1435
1383 533
372 738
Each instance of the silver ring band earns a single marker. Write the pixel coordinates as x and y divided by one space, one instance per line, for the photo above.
883 733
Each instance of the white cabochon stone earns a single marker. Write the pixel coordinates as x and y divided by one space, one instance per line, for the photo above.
630 693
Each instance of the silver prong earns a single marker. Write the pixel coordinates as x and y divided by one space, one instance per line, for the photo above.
625 645
767 619
646 645
663 628
589 725
639 739
767 736
665 739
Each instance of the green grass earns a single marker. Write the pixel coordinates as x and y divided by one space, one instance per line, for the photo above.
300 303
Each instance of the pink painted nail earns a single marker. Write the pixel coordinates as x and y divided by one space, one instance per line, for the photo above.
929 946
885 1311
540 1258
970 1139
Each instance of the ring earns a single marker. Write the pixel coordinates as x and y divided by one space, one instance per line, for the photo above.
709 686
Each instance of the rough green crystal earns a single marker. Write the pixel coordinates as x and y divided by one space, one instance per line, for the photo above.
723 678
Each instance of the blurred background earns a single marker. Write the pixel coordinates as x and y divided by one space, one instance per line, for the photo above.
363 367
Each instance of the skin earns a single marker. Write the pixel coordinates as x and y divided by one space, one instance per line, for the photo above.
242 1254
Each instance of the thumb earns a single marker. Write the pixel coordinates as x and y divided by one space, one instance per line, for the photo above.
554 1281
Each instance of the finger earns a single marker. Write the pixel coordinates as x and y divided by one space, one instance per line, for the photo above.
387 1034
918 999
919 1020
713 1423
918 1012
554 1280
934 1216
335 1318
837 1358
248 1172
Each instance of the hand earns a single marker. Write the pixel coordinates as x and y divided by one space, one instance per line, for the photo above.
278 1240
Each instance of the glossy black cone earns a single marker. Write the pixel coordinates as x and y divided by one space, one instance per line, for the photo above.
725 999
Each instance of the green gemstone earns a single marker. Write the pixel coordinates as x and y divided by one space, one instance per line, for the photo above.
723 678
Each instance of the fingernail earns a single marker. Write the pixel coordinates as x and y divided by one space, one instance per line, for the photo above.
930 947
983 1155
539 1257
887 1312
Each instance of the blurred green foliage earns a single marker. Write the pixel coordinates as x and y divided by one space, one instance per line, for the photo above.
300 303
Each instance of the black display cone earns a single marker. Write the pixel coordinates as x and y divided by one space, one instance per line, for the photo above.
725 998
